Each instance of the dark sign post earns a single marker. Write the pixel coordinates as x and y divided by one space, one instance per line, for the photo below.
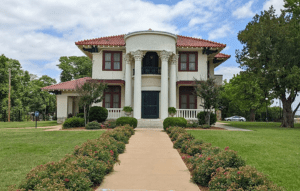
36 114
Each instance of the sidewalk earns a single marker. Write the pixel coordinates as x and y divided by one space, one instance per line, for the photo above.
149 163
222 125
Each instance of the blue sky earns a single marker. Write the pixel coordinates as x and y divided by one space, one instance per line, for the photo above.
39 32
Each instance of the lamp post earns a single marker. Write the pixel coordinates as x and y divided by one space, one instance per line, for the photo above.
266 109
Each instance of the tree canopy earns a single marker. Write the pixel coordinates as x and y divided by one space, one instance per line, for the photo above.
271 51
26 94
74 67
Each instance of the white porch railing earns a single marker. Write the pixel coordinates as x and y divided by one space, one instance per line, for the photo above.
115 113
188 113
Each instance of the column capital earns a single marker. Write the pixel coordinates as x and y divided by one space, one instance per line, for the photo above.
174 59
164 55
127 58
138 55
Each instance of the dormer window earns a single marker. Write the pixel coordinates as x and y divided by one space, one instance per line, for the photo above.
112 61
188 62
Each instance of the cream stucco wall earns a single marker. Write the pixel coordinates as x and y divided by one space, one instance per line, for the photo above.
98 73
150 41
201 74
64 105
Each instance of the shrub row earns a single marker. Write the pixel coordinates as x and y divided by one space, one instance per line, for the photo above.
86 166
218 169
127 121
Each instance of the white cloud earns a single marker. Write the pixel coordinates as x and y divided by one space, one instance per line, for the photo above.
222 32
227 72
45 30
244 11
277 4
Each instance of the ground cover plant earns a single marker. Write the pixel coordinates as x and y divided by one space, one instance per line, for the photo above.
27 124
85 167
269 148
23 149
205 161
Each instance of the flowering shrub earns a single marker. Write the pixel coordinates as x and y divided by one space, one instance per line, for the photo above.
197 149
209 164
242 178
188 143
176 132
57 173
181 138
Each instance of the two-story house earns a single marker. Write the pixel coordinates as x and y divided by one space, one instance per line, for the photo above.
148 70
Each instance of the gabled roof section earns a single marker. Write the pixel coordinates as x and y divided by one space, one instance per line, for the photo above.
105 41
182 41
66 86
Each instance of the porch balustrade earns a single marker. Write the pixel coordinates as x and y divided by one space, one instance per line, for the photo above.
115 113
188 113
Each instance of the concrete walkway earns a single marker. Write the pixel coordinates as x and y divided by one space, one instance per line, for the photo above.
222 125
149 163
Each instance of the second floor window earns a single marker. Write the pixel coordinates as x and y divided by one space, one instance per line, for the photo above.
188 61
112 60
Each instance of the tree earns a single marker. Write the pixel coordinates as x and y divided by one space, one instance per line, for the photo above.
74 67
271 51
293 6
209 92
90 92
245 91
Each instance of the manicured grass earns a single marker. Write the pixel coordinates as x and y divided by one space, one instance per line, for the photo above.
23 149
27 124
257 125
273 150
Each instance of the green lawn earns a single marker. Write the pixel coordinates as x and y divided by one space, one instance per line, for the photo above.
23 149
273 150
27 124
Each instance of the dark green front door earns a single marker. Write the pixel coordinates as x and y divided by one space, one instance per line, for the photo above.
150 104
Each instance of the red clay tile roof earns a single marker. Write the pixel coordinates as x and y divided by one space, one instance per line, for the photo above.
69 85
182 41
109 41
221 55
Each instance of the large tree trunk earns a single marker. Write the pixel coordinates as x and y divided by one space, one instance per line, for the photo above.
252 114
288 115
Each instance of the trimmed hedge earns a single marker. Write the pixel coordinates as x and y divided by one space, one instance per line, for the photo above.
81 115
216 168
85 167
93 125
174 121
98 113
201 118
73 122
127 121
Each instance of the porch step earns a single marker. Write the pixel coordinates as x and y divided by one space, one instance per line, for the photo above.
150 123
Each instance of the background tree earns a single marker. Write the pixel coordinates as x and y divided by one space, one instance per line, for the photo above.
271 51
209 92
245 92
74 67
26 94
90 92
293 6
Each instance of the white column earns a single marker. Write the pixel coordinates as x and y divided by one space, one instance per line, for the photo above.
137 110
128 87
173 81
164 55
62 107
